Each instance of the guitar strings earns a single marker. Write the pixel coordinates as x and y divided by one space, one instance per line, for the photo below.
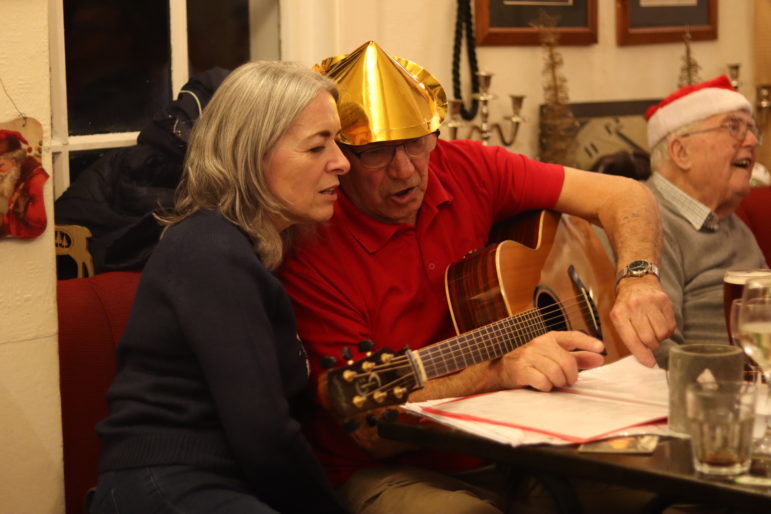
548 314
537 317
524 327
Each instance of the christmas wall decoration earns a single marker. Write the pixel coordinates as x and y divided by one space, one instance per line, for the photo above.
22 177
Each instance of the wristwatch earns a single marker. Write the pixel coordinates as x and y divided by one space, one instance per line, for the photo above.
637 268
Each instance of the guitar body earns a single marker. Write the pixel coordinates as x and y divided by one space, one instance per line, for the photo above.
538 260
544 272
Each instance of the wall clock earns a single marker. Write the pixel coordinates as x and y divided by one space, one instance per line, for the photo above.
606 128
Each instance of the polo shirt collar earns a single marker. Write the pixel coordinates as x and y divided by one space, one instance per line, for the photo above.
373 234
696 213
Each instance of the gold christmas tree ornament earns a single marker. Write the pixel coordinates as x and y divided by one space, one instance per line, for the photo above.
384 98
558 125
689 71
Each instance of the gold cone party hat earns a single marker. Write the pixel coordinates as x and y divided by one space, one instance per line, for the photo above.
384 98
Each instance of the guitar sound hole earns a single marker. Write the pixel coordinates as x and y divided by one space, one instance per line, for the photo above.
551 310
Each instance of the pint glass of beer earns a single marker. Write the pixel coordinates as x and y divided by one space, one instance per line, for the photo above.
733 285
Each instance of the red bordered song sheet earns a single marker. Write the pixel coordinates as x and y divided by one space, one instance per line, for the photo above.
604 401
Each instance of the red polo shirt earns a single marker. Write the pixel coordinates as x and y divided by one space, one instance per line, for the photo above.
363 279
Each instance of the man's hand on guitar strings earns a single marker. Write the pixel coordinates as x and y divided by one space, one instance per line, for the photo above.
548 361
642 315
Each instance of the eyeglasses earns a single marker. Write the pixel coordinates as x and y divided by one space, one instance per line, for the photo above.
381 156
736 128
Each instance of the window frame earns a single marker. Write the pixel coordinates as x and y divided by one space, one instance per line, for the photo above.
62 143
264 44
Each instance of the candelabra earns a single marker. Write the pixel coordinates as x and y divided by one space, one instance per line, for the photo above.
484 128
733 75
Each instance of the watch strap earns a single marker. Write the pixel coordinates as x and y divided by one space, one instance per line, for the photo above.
637 268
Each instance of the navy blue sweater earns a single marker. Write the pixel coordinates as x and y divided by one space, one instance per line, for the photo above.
207 367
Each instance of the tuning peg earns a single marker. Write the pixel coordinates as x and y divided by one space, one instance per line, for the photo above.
351 425
328 362
347 355
371 420
366 346
389 415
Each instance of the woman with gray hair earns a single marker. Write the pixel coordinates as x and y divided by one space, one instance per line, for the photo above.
210 370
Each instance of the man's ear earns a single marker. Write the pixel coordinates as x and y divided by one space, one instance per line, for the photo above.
680 153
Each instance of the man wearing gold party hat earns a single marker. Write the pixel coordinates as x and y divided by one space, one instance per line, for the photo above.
412 204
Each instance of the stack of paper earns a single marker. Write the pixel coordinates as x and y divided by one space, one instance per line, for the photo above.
620 398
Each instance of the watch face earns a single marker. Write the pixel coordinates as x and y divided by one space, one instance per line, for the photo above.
639 266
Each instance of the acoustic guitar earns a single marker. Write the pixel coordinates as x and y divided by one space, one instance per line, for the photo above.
541 272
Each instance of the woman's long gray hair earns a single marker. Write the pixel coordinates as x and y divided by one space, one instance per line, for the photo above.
250 111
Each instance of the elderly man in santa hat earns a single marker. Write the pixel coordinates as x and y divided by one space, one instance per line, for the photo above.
703 140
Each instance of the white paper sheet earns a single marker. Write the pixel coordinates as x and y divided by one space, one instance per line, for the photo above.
613 399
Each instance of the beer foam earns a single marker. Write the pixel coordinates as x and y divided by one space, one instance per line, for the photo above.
740 277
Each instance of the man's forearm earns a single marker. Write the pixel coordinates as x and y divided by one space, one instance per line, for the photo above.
625 208
634 228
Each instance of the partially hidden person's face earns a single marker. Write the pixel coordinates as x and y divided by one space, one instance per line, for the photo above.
392 190
724 154
7 165
303 167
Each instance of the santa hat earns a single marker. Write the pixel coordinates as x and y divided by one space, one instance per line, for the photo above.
693 103
11 140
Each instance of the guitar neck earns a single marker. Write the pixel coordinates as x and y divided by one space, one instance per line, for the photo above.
479 345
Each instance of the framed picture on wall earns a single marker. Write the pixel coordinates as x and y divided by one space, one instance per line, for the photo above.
507 22
641 22
611 134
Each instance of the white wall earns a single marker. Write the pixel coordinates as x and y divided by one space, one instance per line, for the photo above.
30 422
422 31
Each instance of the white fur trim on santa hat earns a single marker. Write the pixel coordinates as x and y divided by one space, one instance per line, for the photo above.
694 106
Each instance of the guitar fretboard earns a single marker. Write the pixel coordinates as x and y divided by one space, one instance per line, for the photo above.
481 344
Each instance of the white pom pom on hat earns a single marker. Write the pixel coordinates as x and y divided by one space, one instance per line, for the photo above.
693 103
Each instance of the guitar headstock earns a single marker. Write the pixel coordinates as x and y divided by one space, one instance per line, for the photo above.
380 379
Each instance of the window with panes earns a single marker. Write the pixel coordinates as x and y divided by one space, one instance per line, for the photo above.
119 62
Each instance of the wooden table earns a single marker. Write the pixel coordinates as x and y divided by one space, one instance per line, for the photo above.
668 471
